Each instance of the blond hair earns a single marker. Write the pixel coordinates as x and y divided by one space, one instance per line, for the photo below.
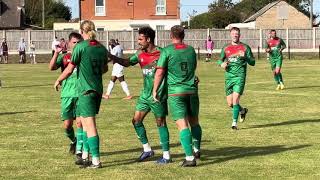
88 28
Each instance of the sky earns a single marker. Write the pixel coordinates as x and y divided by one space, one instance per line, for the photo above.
187 7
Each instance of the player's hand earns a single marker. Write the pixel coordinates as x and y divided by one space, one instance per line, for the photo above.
58 49
241 54
196 81
268 50
155 96
224 65
57 85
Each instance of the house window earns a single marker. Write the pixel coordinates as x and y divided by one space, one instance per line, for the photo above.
100 8
160 7
100 28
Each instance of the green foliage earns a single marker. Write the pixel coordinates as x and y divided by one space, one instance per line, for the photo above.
53 10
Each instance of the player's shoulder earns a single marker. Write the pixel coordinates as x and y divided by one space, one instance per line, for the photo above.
245 45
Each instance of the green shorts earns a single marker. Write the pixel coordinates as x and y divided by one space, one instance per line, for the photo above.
159 109
68 108
88 104
183 106
235 84
276 63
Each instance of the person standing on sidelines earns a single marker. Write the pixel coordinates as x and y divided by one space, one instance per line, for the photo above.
5 51
32 48
91 59
234 58
117 71
69 96
22 51
209 44
177 65
274 48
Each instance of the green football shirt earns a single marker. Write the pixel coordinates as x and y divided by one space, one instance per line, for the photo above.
69 85
237 56
148 64
181 62
275 45
90 57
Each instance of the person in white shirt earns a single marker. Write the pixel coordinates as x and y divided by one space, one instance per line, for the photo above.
22 51
32 50
117 71
54 44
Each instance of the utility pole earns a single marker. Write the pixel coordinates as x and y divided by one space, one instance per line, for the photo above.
42 13
311 13
79 13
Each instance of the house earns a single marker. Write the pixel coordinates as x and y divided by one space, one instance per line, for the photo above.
11 14
129 14
277 15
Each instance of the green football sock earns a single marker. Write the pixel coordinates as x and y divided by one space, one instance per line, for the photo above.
196 132
280 77
79 139
164 137
235 112
141 132
276 78
94 146
85 141
70 134
186 141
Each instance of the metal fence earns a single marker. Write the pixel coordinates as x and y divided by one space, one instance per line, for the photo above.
297 39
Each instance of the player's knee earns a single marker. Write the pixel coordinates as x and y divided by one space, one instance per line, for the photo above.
230 104
160 122
135 121
79 124
67 124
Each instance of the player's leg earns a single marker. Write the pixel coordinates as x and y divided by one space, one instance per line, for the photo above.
160 111
193 119
89 106
142 110
110 87
238 89
275 75
178 109
124 86
67 113
6 58
279 74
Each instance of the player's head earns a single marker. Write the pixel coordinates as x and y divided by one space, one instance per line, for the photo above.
273 33
146 37
177 32
209 38
88 30
235 34
74 38
112 43
62 39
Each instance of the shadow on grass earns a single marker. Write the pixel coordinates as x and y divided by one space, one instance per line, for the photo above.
302 87
18 112
23 86
284 123
232 153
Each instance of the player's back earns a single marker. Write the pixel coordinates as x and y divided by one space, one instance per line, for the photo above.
182 64
93 57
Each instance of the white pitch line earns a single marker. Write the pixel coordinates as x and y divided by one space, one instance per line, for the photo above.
281 92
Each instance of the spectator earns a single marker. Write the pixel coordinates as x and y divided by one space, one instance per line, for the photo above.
32 49
5 54
209 47
63 45
55 43
22 51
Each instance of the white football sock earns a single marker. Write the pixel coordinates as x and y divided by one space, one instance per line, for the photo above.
95 160
85 155
146 147
166 154
189 158
110 87
125 88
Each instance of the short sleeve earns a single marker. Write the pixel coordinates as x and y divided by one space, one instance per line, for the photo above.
222 56
76 55
134 59
59 61
163 59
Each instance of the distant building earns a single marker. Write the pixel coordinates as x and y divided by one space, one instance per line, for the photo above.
12 14
276 15
129 14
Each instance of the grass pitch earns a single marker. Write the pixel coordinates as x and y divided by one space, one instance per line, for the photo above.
280 138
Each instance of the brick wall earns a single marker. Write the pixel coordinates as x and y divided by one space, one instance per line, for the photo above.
130 9
269 20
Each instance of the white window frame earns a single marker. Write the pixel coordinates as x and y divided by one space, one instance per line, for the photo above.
102 7
164 6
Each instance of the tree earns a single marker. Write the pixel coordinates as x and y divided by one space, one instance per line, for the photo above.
54 11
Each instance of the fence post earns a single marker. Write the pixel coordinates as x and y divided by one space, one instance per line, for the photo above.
4 34
314 38
156 38
287 40
258 52
132 39
198 53
107 38
29 37
54 34
289 55
208 33
260 38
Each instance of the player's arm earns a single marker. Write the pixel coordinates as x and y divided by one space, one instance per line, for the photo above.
121 61
160 72
266 46
53 61
249 56
283 45
221 62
